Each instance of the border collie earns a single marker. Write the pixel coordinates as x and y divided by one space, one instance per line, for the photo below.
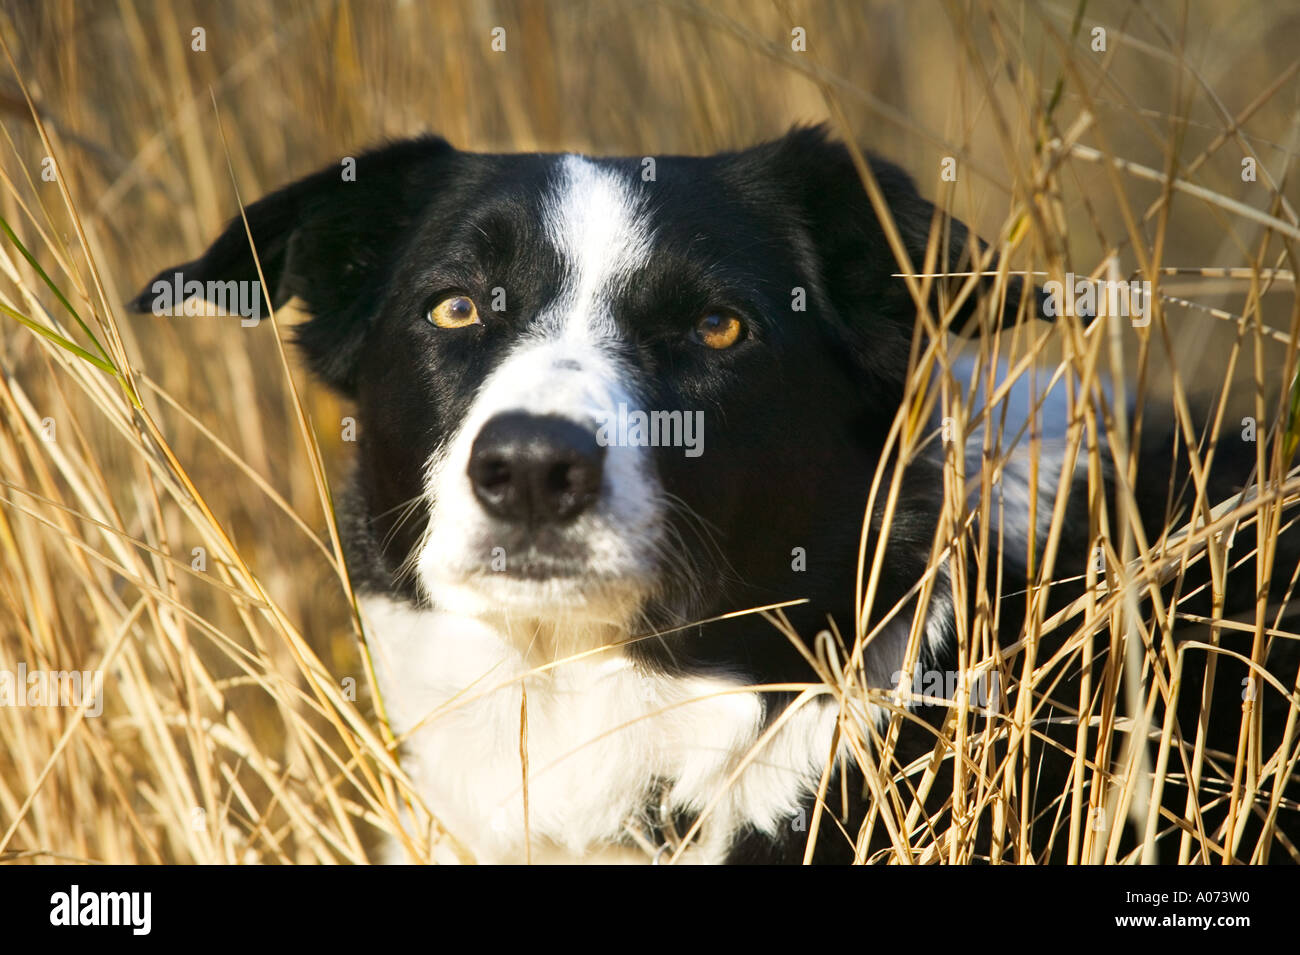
605 405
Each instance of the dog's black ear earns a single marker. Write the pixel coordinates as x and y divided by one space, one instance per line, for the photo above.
855 261
330 239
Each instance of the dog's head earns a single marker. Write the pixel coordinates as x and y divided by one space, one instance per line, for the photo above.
602 389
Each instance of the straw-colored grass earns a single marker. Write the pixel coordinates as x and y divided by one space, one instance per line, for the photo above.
165 484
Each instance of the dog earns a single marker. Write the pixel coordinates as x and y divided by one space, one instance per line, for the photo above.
607 405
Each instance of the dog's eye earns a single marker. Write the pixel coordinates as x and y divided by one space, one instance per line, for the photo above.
719 330
455 311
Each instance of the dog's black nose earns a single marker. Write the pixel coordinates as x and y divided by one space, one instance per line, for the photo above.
531 469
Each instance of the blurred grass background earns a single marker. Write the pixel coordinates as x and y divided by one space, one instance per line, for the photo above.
131 114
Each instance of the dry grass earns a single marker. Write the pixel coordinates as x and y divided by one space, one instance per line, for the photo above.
230 730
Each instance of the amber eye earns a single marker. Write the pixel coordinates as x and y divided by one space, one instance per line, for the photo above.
455 311
719 330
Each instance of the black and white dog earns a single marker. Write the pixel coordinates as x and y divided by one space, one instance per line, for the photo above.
602 400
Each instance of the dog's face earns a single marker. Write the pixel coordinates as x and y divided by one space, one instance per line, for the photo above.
580 382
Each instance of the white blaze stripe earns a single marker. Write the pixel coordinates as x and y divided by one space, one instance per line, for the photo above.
597 224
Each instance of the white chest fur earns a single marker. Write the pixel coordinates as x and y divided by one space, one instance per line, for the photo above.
600 734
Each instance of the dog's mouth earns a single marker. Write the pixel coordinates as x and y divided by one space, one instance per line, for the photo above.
543 586
538 565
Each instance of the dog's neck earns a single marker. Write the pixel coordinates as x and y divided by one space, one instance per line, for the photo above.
607 742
